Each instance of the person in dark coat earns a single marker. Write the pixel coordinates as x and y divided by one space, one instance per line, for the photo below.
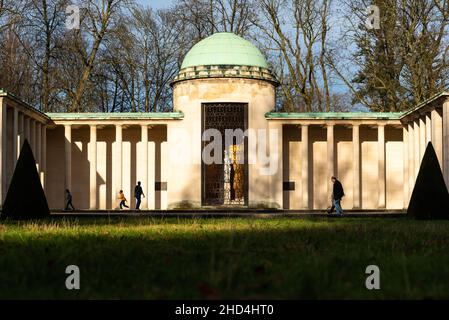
68 197
337 194
138 193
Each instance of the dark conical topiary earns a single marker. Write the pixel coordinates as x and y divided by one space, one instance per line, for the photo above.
430 198
25 198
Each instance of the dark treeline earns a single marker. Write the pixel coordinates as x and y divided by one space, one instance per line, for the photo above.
124 55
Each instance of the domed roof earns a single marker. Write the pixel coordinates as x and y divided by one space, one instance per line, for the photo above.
224 48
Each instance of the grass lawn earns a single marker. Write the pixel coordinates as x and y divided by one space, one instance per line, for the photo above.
287 258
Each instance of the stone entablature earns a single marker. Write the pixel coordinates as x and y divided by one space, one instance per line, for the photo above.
226 71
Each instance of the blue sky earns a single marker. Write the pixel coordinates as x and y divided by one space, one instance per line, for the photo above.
156 3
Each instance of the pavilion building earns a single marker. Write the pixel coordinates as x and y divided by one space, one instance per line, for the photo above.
284 160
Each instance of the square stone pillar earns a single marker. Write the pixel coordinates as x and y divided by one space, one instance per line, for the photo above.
144 166
21 137
44 155
356 163
28 129
437 134
68 156
411 158
38 147
428 128
406 165
15 137
3 147
330 157
382 171
422 137
417 152
275 178
33 136
305 166
118 158
93 168
446 142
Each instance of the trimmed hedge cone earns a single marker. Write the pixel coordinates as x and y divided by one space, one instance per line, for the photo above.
25 198
430 197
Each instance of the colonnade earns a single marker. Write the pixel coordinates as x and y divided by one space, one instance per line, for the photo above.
117 160
426 125
331 164
18 123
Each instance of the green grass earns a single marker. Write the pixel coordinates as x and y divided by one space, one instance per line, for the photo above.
285 258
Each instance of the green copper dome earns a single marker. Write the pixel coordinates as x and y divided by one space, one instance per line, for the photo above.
224 49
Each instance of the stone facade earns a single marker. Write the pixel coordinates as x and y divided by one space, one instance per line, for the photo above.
376 156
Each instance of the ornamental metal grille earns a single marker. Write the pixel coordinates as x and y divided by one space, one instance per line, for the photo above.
226 183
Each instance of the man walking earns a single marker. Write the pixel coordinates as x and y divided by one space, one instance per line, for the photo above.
68 197
138 193
337 194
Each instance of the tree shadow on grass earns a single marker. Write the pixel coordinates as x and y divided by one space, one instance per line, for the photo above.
222 258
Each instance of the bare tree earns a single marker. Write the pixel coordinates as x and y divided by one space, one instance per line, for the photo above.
402 63
38 30
17 74
296 34
205 17
99 15
10 13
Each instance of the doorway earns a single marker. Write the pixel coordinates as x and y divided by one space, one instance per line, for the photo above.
226 183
